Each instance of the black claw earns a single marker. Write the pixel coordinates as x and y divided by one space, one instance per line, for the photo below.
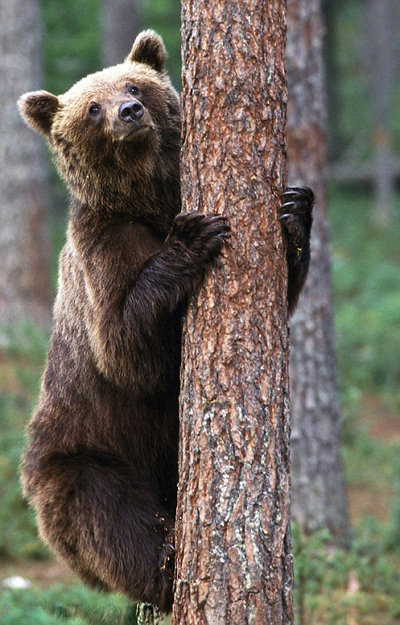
285 216
306 190
288 204
217 218
289 194
296 191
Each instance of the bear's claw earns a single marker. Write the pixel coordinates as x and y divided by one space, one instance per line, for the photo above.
202 235
296 218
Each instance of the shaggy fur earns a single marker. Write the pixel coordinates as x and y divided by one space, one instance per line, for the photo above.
101 465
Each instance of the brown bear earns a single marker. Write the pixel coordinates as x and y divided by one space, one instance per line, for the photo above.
101 465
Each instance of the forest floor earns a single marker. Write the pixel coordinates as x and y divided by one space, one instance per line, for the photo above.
41 572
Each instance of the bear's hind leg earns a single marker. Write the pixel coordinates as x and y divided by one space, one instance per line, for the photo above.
99 516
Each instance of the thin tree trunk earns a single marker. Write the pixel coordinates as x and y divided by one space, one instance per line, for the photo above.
382 31
24 196
120 24
234 560
318 487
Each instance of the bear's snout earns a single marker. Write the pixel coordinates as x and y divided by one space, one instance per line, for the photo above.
131 111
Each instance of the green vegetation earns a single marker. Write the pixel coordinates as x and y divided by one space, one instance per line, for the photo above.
338 587
367 294
73 38
361 585
20 370
72 41
71 604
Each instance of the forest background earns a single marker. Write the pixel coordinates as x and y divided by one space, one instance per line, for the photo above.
360 585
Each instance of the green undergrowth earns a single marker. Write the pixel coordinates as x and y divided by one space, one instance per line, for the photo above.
60 603
359 585
337 587
366 269
21 367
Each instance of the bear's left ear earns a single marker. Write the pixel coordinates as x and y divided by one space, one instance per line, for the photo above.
149 49
38 108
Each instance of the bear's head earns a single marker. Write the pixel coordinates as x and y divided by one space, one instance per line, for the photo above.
113 127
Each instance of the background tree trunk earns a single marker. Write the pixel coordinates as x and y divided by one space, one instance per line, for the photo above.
24 238
382 43
120 25
318 486
233 544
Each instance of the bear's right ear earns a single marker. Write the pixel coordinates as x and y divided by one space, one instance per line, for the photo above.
149 49
38 109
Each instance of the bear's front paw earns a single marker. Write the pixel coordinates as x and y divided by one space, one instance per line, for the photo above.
202 235
296 217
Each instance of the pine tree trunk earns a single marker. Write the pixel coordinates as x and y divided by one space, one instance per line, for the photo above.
234 560
24 240
120 25
318 488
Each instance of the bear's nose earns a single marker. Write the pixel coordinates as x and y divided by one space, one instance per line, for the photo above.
131 111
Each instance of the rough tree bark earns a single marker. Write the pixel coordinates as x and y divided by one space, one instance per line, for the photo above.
318 487
234 560
24 241
120 25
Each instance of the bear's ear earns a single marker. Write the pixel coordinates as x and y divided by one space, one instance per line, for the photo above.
149 49
38 109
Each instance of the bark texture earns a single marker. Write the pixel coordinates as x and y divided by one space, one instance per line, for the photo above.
24 242
318 486
120 24
233 545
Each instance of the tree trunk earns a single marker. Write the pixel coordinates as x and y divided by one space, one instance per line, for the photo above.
120 25
318 488
234 560
382 30
24 239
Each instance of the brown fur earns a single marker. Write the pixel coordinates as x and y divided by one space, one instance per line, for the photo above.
101 465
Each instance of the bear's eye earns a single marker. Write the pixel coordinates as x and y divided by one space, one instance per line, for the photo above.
133 90
94 110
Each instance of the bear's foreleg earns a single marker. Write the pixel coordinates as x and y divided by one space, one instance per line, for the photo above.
133 333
